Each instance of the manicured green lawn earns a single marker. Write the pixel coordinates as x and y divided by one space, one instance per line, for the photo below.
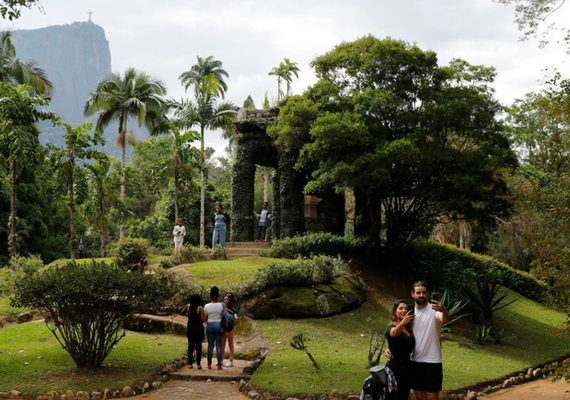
225 273
340 345
32 361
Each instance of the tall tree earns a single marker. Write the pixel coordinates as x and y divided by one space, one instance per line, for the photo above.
248 103
118 98
206 66
12 69
279 72
205 111
19 138
415 141
69 162
290 68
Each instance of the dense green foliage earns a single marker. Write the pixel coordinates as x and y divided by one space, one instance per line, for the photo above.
131 250
298 272
15 271
316 244
85 305
414 139
443 265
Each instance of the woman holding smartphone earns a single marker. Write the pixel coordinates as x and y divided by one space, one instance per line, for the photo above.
401 342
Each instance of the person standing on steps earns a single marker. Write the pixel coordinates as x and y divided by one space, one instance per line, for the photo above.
427 367
195 329
179 232
264 217
213 312
230 318
221 223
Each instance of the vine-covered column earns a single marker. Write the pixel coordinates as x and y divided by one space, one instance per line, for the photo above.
291 197
242 195
276 207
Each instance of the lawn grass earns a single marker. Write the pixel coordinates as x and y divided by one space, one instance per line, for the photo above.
49 367
80 261
225 273
533 334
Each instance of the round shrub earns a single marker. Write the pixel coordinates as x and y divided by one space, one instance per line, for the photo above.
130 250
316 244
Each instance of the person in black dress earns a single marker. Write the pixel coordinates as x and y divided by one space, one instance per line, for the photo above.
194 329
401 342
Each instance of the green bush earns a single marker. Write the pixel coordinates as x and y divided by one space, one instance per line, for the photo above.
316 244
85 305
299 272
18 269
181 286
445 265
187 254
129 251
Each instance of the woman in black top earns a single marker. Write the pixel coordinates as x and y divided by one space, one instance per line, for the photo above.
401 342
194 329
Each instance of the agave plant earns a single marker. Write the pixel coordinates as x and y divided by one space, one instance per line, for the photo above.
488 295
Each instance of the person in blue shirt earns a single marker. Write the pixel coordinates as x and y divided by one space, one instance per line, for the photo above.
264 217
220 222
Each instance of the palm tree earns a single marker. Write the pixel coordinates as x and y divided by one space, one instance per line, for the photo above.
12 69
285 72
118 98
70 161
206 112
279 73
289 69
206 66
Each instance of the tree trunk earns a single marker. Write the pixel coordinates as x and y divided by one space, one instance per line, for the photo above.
13 237
123 161
265 184
176 201
71 209
202 191
104 237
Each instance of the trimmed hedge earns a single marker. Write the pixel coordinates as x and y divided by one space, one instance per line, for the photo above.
446 264
316 244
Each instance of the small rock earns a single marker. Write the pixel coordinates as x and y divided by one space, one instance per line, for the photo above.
353 397
81 395
127 391
242 384
209 380
529 371
96 396
335 395
528 377
233 382
14 393
137 390
471 395
24 317
3 395
62 397
156 385
537 372
146 386
116 394
165 377
248 369
40 357
51 395
69 395
106 394
323 397
253 395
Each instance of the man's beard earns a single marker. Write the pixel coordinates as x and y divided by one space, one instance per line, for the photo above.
421 301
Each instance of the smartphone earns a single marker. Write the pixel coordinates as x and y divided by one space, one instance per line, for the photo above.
435 296
411 308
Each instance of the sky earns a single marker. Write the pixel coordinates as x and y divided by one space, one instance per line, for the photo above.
163 38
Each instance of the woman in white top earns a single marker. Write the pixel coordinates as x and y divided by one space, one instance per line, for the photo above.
213 312
179 232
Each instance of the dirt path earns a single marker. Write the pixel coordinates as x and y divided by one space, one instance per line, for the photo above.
543 389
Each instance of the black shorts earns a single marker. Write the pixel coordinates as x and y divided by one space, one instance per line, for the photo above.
427 377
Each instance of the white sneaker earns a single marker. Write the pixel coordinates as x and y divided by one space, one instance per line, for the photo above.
229 364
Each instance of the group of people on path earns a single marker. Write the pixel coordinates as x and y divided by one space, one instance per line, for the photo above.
414 341
220 318
221 222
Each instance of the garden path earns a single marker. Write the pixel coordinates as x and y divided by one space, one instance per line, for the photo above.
543 389
195 390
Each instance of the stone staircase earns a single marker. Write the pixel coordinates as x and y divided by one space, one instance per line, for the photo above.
246 249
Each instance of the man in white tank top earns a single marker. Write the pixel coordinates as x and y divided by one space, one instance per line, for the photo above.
427 370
